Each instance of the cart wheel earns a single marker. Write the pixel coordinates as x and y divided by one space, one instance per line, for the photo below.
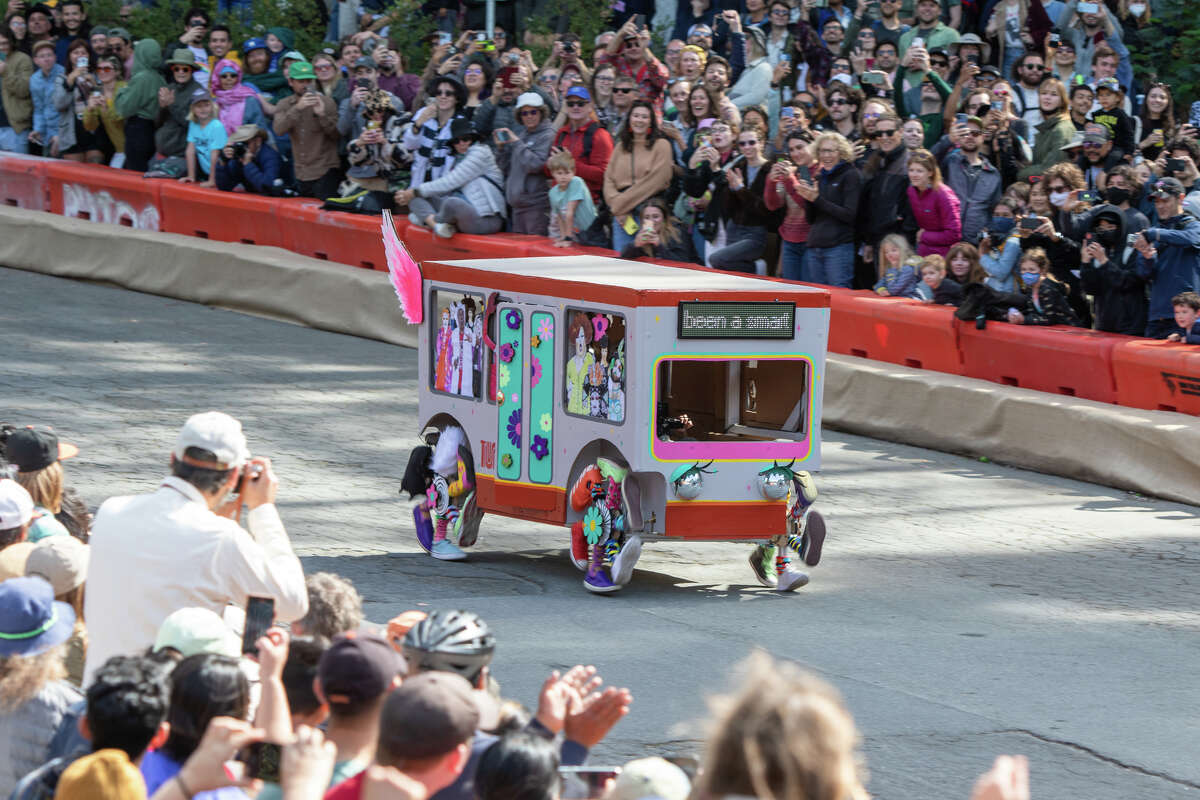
578 551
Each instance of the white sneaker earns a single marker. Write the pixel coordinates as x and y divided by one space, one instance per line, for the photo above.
444 229
446 550
789 581
623 564
415 220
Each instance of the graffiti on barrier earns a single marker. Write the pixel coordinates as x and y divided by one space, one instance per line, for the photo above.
100 206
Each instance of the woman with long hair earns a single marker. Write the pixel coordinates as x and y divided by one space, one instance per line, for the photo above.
1046 302
641 166
477 78
71 96
962 264
1156 121
330 81
660 235
1055 129
36 454
783 190
602 95
100 110
701 105
18 23
934 205
428 137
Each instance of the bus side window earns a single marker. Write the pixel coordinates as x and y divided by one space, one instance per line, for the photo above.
594 373
456 363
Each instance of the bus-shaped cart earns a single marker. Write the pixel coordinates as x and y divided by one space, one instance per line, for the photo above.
628 401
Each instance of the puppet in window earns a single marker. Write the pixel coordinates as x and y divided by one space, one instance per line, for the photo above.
579 363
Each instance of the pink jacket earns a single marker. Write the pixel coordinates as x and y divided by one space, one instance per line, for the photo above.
936 211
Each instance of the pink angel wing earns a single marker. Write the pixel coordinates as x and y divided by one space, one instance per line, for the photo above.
404 272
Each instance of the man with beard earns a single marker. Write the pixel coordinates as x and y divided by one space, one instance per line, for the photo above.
883 208
972 177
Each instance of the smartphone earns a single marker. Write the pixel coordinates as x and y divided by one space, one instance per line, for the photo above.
445 38
997 105
1055 40
1087 8
785 58
917 42
960 118
1089 196
1030 223
972 59
82 61
581 783
639 21
503 136
260 614
787 111
1176 165
481 37
872 78
821 4
262 760
362 83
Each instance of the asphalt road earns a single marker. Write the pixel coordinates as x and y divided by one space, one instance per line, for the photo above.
965 609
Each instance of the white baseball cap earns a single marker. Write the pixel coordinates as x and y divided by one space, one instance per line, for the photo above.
16 506
530 100
218 433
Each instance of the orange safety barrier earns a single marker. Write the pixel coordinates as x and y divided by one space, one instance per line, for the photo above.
353 239
220 216
102 194
23 182
893 329
1055 359
425 246
1161 376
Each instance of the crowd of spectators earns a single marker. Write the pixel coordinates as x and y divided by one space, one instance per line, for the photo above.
1019 166
129 668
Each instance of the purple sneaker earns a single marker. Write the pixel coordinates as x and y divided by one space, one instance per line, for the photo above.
597 579
814 537
424 526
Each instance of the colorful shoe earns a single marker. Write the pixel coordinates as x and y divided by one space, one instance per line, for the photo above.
791 580
814 537
597 579
424 525
579 547
467 525
623 564
762 561
446 550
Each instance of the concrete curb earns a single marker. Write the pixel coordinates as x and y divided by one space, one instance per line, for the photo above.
1151 452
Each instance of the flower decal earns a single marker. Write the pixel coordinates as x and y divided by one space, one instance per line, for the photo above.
592 525
599 327
504 376
534 342
506 460
514 427
512 318
546 422
506 353
546 329
540 447
535 370
516 398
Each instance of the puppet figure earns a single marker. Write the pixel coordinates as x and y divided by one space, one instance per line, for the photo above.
579 364
772 560
441 353
615 397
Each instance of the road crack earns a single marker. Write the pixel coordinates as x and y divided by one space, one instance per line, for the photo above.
1102 757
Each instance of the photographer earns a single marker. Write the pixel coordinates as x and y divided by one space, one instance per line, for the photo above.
182 545
1108 272
1168 255
248 161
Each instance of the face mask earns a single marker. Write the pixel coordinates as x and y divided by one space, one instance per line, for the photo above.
1106 238
1059 198
1115 195
1030 278
1001 225
1137 9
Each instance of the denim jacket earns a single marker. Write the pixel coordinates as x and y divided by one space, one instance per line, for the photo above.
45 115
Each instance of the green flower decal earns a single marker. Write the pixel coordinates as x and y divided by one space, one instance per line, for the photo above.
504 374
546 422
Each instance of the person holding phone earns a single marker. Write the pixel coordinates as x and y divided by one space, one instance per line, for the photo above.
1092 31
1168 255
146 548
629 52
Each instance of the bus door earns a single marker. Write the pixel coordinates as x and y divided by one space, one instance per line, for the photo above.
526 337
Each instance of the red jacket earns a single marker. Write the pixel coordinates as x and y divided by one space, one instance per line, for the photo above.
591 168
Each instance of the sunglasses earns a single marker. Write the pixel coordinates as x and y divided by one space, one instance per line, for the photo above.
748 143
878 134
182 69
197 23
972 132
1092 145
837 101
223 75
576 104
623 90
105 69
548 79
531 112
938 62
321 67
444 93
780 12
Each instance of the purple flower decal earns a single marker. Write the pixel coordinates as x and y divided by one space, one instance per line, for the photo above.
514 427
535 370
506 353
512 318
540 447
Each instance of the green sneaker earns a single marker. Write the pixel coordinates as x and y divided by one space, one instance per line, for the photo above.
762 561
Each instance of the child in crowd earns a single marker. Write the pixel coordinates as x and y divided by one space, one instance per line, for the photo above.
897 267
206 138
934 288
1187 309
571 208
1110 96
46 116
1046 303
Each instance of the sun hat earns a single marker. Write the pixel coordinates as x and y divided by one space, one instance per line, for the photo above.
61 560
31 620
16 505
182 58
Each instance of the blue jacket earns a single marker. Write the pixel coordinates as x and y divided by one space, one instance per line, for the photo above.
1177 266
258 176
45 115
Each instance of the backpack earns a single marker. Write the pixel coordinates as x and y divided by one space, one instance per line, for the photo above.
589 133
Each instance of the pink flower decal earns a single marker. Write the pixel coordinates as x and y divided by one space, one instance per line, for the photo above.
506 353
535 370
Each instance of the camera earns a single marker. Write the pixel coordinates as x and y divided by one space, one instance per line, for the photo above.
512 58
239 150
568 48
1055 40
1132 239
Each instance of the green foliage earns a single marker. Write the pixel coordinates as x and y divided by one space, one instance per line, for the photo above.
588 18
1167 50
411 33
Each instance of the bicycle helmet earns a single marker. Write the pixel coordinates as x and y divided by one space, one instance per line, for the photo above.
450 641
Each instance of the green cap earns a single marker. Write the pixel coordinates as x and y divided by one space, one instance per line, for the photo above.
301 70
